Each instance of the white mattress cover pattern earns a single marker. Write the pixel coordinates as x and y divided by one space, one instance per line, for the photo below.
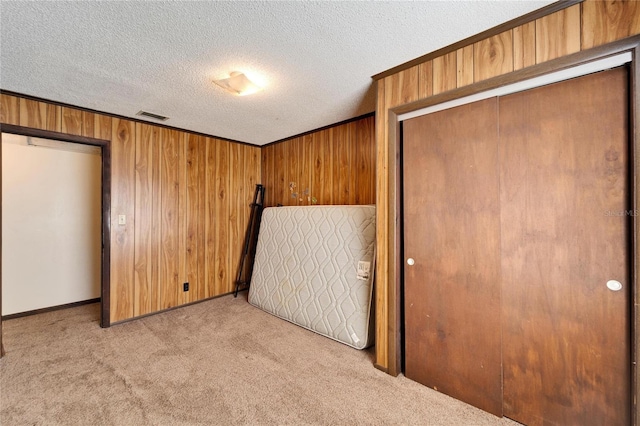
306 269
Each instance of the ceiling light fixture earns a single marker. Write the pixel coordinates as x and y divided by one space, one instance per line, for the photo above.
238 84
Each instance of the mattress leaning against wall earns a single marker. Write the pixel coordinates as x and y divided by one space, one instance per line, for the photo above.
314 268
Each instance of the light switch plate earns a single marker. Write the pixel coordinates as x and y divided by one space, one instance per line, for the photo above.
122 219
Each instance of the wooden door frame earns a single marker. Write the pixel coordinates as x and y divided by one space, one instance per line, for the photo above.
105 146
395 241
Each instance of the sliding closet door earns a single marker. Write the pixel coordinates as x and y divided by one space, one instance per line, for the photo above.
564 193
452 246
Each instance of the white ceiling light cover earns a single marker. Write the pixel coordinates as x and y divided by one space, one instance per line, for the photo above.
238 84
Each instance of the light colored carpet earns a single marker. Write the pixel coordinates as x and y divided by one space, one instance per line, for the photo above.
218 362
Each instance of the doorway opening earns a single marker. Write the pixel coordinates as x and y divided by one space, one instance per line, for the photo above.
51 224
56 212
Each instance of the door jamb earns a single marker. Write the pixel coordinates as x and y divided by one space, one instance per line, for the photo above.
105 146
630 44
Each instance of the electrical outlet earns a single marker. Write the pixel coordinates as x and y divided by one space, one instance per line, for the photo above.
185 287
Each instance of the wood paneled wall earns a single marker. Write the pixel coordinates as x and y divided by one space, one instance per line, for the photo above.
185 197
578 27
331 166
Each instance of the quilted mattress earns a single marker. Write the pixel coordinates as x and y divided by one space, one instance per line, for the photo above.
314 268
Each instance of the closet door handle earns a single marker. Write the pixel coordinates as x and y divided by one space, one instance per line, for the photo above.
614 285
410 261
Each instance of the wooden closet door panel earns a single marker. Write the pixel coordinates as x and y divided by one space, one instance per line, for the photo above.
564 191
452 231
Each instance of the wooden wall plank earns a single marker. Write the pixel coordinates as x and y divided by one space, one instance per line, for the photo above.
194 210
96 125
326 151
251 177
156 216
71 121
370 136
222 218
607 21
425 80
354 162
9 109
493 56
305 170
272 173
169 182
404 85
464 66
89 120
191 216
211 203
407 85
40 115
291 171
320 167
280 186
410 82
336 190
146 136
365 167
102 127
237 213
201 159
264 176
251 157
341 164
558 34
358 163
268 175
122 203
317 166
263 166
395 83
182 296
298 151
444 73
287 156
524 46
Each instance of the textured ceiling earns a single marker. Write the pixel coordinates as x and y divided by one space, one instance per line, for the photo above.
316 58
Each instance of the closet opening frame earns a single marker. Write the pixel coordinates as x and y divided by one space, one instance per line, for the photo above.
394 199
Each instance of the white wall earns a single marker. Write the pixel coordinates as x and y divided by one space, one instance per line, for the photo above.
51 224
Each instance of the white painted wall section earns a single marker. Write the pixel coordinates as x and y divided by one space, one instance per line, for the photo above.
51 224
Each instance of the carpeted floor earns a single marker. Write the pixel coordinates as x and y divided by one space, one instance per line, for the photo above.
218 362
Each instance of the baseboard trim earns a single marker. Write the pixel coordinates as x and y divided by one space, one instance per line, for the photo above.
49 309
173 308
